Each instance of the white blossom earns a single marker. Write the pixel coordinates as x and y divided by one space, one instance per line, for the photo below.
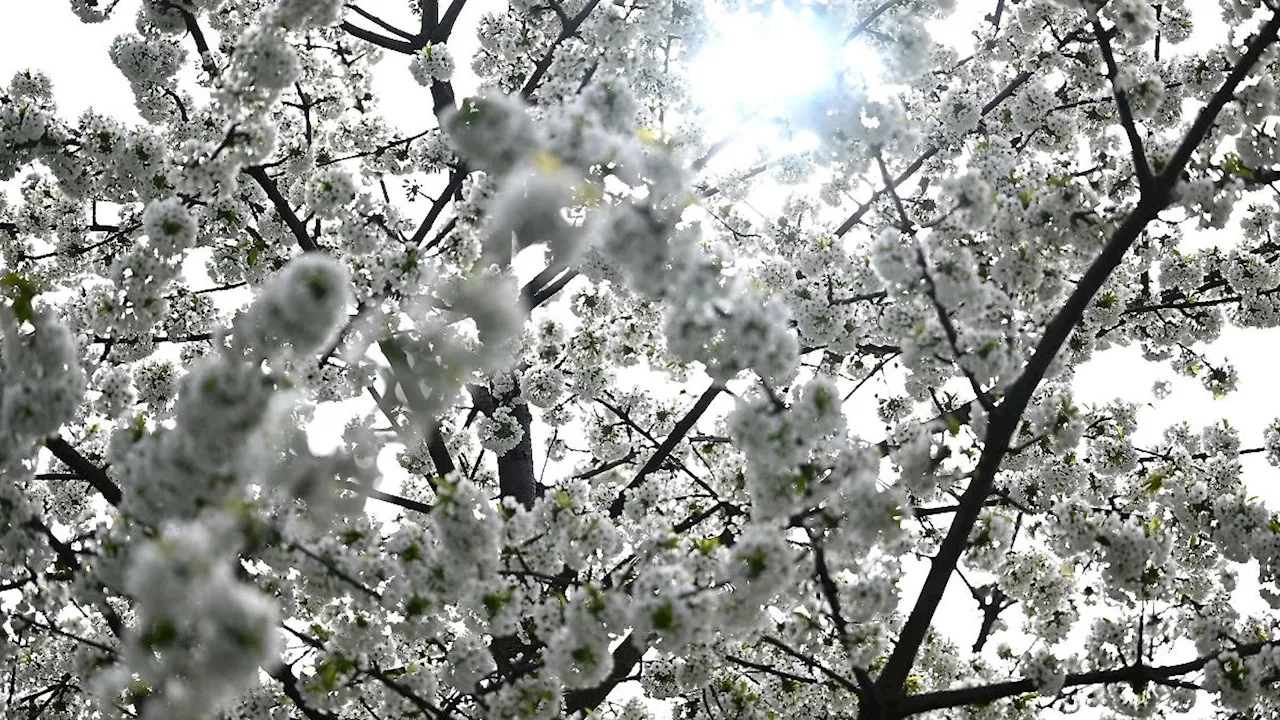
432 63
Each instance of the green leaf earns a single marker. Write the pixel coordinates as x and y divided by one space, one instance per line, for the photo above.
706 546
1025 197
1152 484
1233 165
159 635
953 424
494 602
330 668
756 565
139 427
23 290
411 553
416 606
564 500
664 618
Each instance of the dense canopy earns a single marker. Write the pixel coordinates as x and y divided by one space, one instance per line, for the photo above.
659 400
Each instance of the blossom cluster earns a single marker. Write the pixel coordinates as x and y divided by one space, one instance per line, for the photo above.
673 346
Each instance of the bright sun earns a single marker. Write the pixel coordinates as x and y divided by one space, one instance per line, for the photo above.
763 60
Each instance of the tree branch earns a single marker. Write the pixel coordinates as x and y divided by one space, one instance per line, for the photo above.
625 658
1140 166
544 64
1005 419
516 472
92 474
1136 674
286 213
664 450
1007 92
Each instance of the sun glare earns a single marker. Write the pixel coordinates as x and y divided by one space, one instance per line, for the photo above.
761 61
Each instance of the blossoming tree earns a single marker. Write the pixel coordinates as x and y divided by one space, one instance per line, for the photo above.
629 485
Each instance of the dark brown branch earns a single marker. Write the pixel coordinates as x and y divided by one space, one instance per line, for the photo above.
1007 92
625 658
866 23
402 376
538 284
516 472
544 63
1005 419
193 337
406 47
286 213
1135 674
92 474
1140 165
771 670
549 291
829 589
289 683
920 512
411 43
67 557
447 20
600 470
423 706
197 36
839 679
664 450
388 498
931 290
437 207
380 22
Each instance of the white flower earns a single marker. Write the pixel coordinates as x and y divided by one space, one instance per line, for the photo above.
542 385
90 11
493 132
1135 20
169 226
1045 672
1237 681
330 190
268 60
147 60
469 660
41 384
578 652
164 15
303 305
528 210
1220 380
302 14
1271 440
759 565
432 63
491 300
116 388
155 383
500 432
894 260
201 634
